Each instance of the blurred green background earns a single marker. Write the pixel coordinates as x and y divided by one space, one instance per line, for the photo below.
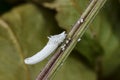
25 25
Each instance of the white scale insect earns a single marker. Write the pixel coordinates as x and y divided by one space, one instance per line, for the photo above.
53 43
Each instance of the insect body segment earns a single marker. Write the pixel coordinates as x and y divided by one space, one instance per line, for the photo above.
53 43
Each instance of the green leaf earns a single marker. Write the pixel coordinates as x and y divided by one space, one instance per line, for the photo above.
68 11
109 43
23 32
99 40
74 69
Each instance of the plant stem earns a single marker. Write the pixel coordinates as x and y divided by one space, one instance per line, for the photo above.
77 31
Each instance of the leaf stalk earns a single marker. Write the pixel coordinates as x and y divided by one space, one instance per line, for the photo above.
76 32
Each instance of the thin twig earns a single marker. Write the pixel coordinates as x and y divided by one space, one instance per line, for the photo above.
77 31
99 67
